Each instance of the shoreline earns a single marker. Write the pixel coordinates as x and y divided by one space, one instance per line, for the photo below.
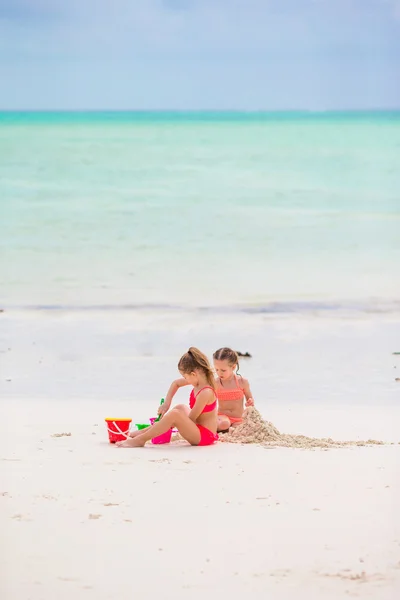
296 307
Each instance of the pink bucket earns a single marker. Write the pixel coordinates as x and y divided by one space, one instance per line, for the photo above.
165 438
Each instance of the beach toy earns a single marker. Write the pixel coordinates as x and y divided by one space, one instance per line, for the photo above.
140 426
164 438
161 403
118 429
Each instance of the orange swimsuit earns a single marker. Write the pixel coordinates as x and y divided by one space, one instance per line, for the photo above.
224 395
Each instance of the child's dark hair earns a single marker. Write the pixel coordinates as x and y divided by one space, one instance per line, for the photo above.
194 360
227 354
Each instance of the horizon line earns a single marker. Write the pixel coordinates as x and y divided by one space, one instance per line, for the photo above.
198 110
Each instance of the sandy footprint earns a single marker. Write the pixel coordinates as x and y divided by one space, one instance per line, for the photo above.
360 577
20 517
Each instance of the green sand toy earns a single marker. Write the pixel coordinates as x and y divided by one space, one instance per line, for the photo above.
161 403
140 426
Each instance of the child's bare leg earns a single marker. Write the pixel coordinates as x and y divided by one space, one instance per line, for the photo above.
174 418
134 434
223 423
182 407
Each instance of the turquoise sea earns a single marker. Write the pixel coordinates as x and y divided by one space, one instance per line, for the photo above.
236 211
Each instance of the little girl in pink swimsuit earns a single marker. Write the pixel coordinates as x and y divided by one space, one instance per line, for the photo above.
196 423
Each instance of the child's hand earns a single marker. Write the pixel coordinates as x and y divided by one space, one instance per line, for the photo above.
249 402
162 409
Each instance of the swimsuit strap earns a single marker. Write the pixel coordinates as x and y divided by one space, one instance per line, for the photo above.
207 387
237 383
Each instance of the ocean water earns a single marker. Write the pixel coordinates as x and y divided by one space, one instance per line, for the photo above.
254 212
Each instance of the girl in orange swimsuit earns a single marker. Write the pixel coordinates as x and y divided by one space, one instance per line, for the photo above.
233 391
197 423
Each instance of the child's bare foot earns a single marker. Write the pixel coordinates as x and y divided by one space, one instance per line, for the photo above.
131 443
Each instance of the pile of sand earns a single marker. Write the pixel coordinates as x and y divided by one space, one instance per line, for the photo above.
254 430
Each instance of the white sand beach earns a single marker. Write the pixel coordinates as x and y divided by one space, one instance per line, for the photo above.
81 518
178 173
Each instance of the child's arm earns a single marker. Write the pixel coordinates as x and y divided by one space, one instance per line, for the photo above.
247 393
205 397
173 388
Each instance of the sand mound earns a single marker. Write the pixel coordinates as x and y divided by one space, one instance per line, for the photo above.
254 430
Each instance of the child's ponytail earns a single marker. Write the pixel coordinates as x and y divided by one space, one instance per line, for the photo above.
194 359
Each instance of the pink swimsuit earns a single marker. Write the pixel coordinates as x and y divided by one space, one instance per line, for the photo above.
207 437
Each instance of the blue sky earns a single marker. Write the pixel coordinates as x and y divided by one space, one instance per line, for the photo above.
199 54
